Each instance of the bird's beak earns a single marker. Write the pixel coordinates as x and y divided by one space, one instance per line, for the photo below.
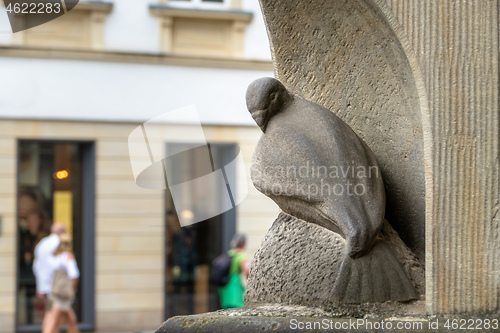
261 118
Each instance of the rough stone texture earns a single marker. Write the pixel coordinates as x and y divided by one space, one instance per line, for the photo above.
415 308
343 54
418 81
278 318
299 263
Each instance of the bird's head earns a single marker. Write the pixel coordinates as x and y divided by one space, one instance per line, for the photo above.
265 98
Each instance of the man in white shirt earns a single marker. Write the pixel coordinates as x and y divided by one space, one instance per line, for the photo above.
42 267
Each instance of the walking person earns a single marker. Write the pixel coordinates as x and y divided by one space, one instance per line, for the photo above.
231 295
42 264
64 266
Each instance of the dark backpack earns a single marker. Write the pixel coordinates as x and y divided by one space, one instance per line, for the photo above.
219 272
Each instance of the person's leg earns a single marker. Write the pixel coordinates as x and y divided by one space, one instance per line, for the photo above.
46 310
60 318
71 322
47 323
52 320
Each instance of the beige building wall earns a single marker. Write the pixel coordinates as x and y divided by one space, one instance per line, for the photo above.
8 230
129 220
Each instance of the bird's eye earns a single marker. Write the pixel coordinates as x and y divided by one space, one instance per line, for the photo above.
273 96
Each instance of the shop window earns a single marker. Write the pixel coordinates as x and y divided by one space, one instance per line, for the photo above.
55 184
190 249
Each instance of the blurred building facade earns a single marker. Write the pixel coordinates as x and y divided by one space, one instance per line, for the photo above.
71 92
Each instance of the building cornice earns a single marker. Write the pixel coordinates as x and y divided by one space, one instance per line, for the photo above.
137 58
102 6
231 14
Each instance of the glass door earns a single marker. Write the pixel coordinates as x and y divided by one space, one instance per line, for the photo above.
55 183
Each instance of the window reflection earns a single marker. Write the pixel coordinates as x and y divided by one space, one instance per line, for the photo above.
42 199
34 224
191 249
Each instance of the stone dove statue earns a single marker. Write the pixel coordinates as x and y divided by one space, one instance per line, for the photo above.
313 165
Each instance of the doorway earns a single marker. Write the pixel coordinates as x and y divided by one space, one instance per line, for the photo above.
55 183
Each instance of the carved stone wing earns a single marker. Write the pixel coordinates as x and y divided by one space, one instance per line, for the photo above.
345 56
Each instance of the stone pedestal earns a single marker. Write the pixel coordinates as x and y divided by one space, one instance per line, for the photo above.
284 319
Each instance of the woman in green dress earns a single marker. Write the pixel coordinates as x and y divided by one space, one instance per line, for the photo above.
231 295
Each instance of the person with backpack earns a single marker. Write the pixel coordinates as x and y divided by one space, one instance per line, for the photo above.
231 294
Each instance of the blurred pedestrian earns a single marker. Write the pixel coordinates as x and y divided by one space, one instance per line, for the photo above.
61 309
34 224
231 295
43 266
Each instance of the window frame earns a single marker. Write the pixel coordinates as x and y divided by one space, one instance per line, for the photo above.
200 4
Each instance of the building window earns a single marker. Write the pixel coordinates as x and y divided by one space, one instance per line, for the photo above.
194 31
54 184
190 249
80 28
188 29
205 4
